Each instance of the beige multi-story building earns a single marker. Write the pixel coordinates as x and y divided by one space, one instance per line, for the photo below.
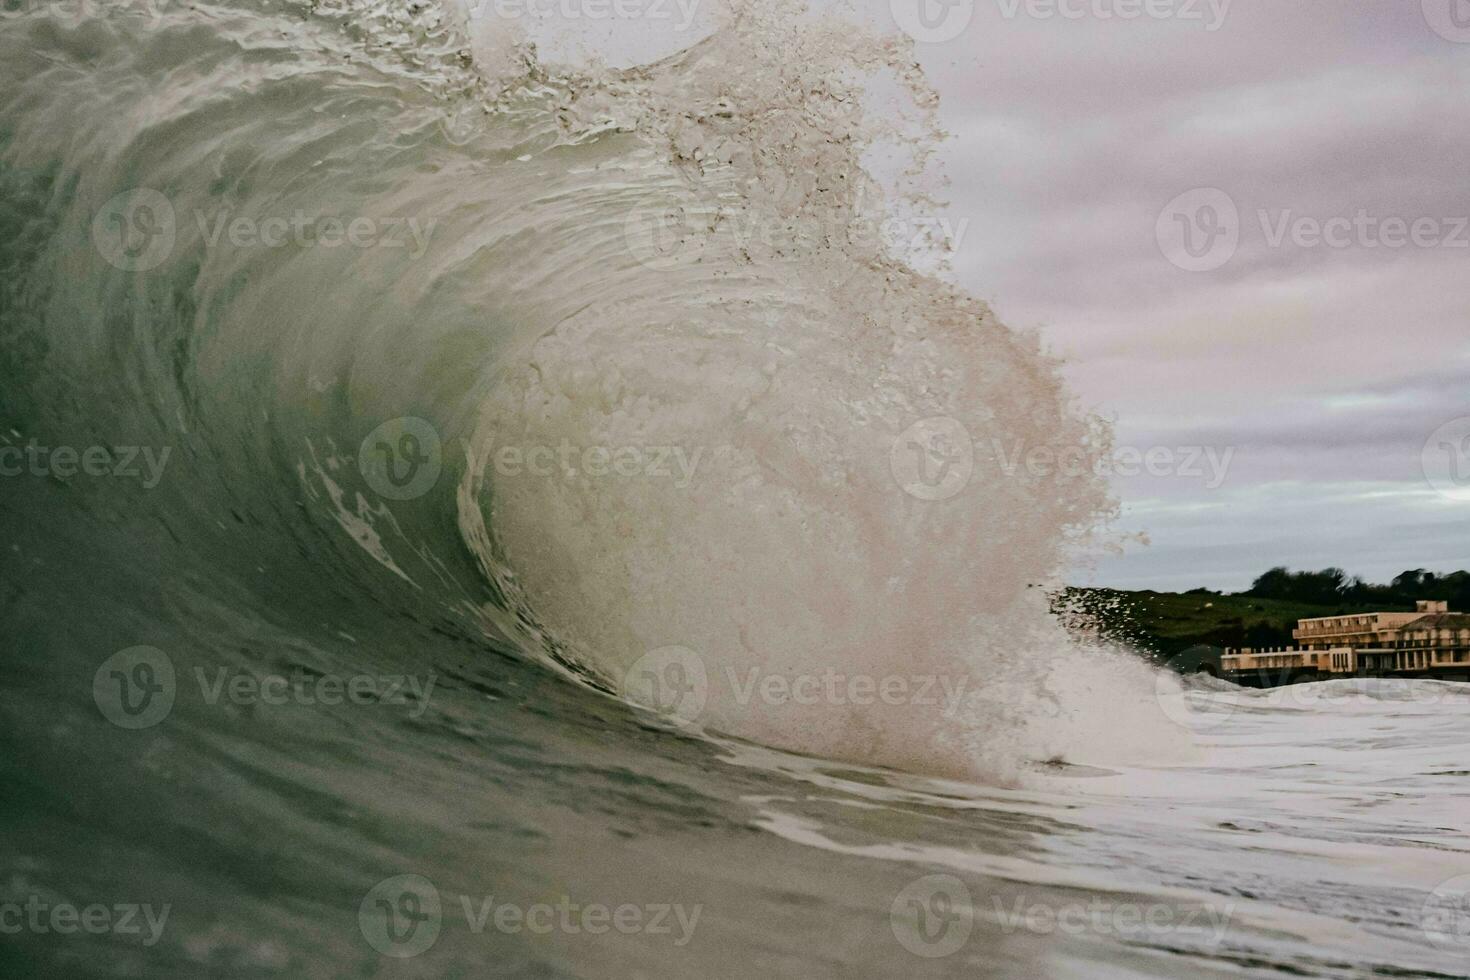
1363 630
1429 642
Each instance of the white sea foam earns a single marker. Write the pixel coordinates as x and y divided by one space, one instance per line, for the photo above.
706 282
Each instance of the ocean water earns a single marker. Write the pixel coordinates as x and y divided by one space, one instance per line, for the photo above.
467 515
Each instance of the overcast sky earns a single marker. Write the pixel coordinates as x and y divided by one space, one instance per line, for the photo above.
1321 360
1325 367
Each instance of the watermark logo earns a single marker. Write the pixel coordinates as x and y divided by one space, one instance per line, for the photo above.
1445 917
135 688
39 917
142 463
135 230
574 918
932 21
1370 692
1204 924
833 687
1363 230
302 230
1199 231
662 238
402 458
463 123
671 680
74 13
1183 699
1210 465
1450 19
401 916
933 459
1211 13
680 12
684 234
1446 459
675 681
933 916
570 462
310 689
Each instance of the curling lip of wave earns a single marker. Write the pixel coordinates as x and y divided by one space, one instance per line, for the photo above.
796 367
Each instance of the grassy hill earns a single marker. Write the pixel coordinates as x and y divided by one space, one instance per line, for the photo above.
1164 623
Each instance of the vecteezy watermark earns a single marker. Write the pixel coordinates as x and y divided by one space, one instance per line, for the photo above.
136 230
1210 13
675 681
76 12
682 234
1191 705
137 688
932 21
1446 459
1201 230
935 458
671 681
38 916
315 231
1210 465
462 121
1450 19
568 462
402 458
142 463
937 21
310 689
680 12
1293 680
1203 922
1363 230
1364 692
402 917
933 917
1445 916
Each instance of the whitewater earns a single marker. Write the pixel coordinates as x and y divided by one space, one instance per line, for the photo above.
476 514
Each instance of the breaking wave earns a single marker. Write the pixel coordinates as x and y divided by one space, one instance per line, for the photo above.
652 374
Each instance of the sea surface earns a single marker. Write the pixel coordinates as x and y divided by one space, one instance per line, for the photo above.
468 516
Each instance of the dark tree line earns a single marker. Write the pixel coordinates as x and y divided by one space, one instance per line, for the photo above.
1333 586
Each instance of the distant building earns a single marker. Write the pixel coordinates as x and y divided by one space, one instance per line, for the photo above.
1429 642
